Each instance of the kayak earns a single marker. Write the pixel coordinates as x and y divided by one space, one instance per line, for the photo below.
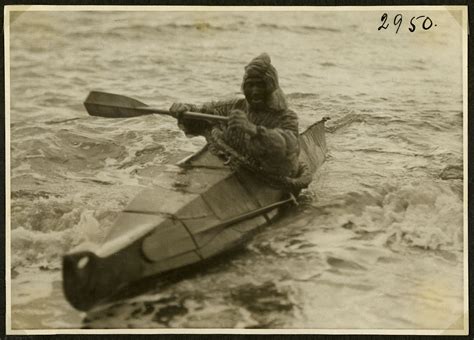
165 230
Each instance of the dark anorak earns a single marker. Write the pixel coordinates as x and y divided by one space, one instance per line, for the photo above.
275 147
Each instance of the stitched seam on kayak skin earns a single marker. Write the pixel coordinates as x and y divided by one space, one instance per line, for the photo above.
209 206
246 190
223 225
192 237
192 217
269 221
171 217
249 193
219 225
175 256
253 199
186 166
148 213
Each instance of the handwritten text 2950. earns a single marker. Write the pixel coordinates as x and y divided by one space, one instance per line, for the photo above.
417 22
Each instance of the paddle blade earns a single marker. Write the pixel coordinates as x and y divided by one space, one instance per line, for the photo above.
109 105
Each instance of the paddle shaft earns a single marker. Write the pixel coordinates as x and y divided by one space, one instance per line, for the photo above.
187 114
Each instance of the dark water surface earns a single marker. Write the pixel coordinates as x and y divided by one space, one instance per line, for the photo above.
378 239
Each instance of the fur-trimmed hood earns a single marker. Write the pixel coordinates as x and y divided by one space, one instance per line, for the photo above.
262 68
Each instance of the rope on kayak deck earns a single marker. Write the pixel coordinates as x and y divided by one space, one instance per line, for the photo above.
235 161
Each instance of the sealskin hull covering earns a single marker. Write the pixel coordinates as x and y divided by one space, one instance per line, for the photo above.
162 230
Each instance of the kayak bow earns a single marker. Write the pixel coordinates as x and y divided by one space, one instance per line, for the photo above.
163 230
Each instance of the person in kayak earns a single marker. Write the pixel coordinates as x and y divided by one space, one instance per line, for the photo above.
261 127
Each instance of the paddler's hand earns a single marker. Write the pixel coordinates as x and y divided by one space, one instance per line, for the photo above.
177 110
238 121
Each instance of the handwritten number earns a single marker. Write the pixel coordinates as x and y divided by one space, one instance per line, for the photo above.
384 21
398 21
413 27
424 22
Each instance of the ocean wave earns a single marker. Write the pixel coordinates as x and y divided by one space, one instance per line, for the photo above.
353 232
327 64
33 248
143 30
430 125
452 171
72 150
425 215
320 29
45 225
40 237
381 119
302 95
298 28
143 156
346 120
39 28
88 34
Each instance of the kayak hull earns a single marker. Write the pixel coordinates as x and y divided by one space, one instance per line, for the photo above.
210 209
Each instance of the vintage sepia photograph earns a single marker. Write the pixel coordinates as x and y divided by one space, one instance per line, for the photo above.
212 169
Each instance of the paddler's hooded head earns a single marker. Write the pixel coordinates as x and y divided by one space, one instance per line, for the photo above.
260 85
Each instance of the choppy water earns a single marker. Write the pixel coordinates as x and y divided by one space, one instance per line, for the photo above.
377 241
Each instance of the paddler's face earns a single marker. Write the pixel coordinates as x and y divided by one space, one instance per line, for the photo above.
255 92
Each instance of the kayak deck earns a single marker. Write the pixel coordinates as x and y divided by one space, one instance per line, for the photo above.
211 210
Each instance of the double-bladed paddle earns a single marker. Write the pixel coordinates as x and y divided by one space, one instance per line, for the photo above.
109 105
